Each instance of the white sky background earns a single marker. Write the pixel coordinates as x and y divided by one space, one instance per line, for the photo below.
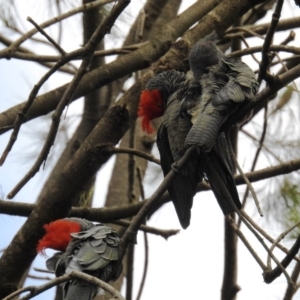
187 266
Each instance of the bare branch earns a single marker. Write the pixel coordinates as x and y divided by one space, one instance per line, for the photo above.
24 53
261 142
280 237
270 276
165 233
49 38
264 234
249 186
69 93
142 284
278 48
266 58
246 243
34 291
292 288
116 150
15 45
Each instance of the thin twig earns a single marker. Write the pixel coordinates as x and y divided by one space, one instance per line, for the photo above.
247 45
131 198
140 181
142 284
248 225
116 150
30 56
280 237
15 45
21 115
97 36
270 276
165 233
49 38
262 138
239 213
255 139
266 235
36 290
278 48
25 54
146 245
238 32
249 185
42 270
246 243
292 288
138 153
258 150
59 12
38 277
131 166
140 26
265 62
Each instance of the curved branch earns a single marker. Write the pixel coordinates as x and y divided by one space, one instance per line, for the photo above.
34 291
278 48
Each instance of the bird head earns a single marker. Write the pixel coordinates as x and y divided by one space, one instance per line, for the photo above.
151 106
154 99
58 235
204 54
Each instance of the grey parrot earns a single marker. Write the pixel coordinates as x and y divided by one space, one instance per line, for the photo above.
162 96
219 86
86 247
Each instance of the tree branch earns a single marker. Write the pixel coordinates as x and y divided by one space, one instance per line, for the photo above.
34 291
90 47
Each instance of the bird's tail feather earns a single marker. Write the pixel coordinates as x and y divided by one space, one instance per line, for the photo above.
220 161
182 190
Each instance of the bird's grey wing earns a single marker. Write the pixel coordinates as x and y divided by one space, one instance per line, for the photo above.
228 84
179 189
207 118
166 157
170 142
99 247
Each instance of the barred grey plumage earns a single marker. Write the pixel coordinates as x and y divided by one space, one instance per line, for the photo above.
170 141
224 84
95 251
171 136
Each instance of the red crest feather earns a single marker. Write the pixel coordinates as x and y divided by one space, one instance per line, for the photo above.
151 106
57 235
